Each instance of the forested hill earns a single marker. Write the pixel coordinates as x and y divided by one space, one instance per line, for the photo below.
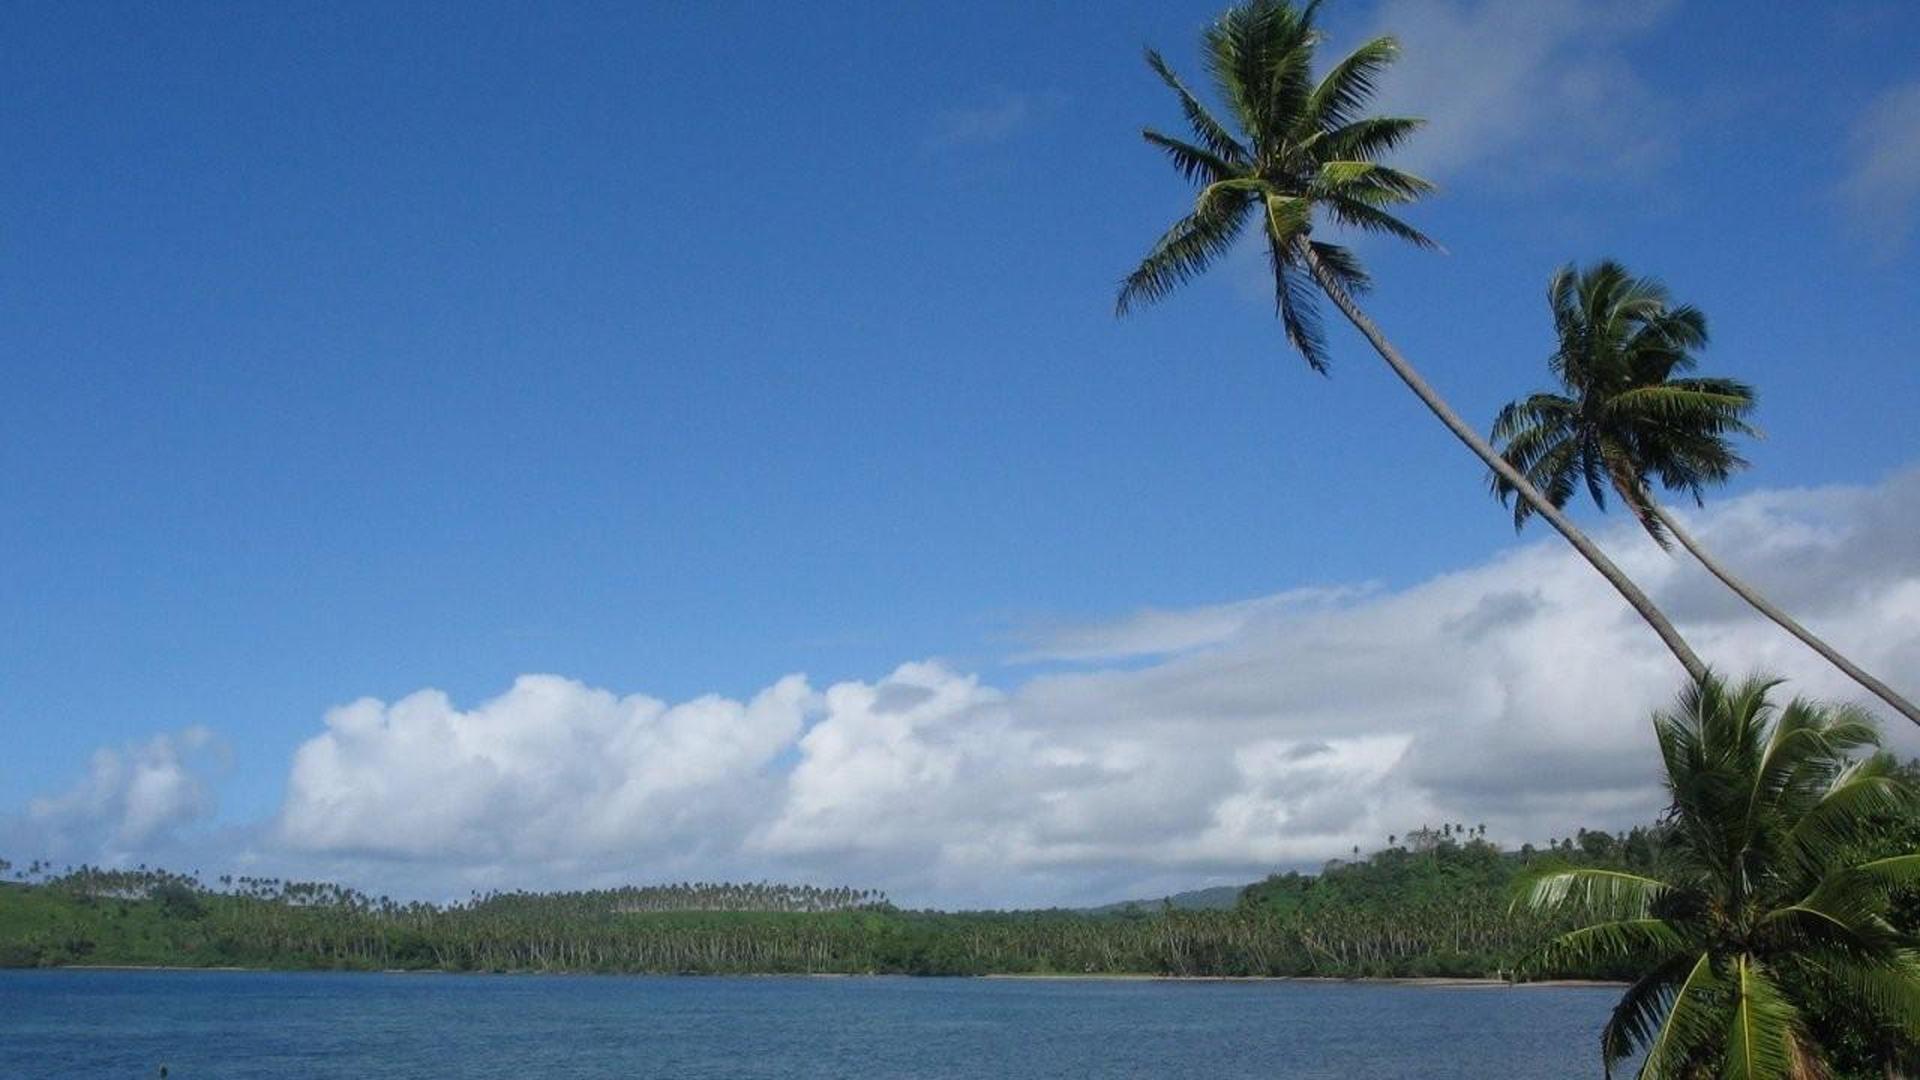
1436 903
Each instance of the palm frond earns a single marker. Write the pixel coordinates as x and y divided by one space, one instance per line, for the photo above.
1301 142
1637 1017
1366 139
1619 343
1899 871
1198 165
1345 267
1613 940
1356 214
1551 472
1298 300
1691 1015
1891 989
1348 85
1845 814
1241 49
1763 1035
1211 133
1536 436
1591 889
1368 182
1182 253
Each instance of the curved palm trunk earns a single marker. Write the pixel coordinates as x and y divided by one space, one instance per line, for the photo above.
1466 434
1786 622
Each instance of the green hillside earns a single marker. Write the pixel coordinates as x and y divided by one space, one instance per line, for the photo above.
1434 903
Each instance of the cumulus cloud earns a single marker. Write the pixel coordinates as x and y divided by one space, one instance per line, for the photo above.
1538 88
1882 188
1277 732
132 798
550 770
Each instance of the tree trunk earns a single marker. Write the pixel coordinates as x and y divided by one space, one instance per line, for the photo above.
1485 452
1765 607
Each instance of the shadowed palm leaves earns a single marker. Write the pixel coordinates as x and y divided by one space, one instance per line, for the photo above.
1300 149
1763 916
1628 417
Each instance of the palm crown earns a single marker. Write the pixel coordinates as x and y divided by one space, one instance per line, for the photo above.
1296 146
1763 912
1623 419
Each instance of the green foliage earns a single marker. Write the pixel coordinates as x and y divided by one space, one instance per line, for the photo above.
1438 911
1627 415
1778 940
1434 903
1295 148
1437 906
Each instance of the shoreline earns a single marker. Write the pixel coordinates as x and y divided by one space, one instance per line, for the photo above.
1429 982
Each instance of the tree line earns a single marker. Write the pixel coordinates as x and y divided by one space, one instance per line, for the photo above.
1438 901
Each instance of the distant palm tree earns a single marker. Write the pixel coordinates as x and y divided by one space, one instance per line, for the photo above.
1628 416
1302 148
1762 917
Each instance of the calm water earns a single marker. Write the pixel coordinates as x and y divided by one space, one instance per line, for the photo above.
248 1025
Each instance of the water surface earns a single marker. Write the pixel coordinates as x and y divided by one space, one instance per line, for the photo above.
248 1025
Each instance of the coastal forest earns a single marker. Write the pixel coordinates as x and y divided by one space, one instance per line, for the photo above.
1437 902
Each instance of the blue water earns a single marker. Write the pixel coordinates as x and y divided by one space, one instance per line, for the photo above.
244 1025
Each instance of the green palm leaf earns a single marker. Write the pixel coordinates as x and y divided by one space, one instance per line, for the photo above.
1590 889
1761 1037
1687 1027
1638 422
1182 253
1303 151
1349 85
1768 915
1607 941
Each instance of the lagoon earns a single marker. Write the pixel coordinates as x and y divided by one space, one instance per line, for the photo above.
259 1025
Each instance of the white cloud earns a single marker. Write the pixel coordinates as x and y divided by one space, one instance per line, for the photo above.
1275 732
550 770
1540 88
1281 731
1882 189
1158 632
132 798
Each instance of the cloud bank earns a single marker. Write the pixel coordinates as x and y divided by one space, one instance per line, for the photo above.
1276 732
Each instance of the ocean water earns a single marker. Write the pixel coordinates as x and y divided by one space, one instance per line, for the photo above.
245 1025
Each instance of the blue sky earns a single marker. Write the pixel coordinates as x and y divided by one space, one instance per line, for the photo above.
352 350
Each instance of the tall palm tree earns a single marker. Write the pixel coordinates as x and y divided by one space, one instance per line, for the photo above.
1762 919
1628 416
1302 149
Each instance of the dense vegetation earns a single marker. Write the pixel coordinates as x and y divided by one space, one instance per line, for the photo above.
1777 941
1434 903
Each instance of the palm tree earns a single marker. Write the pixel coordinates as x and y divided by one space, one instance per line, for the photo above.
1303 149
1762 917
1628 416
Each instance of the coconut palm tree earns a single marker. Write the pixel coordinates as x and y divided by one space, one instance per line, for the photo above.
1761 920
1628 416
1301 151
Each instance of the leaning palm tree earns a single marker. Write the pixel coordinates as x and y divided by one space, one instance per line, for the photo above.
1628 416
1302 151
1762 920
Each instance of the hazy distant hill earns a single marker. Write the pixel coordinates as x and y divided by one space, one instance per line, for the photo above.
1218 898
